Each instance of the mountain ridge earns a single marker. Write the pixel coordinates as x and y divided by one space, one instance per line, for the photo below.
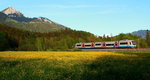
140 33
15 18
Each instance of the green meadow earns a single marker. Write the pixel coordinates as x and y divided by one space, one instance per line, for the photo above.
74 65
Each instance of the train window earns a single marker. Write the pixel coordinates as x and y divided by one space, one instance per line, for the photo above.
109 44
97 44
133 42
87 45
78 45
123 43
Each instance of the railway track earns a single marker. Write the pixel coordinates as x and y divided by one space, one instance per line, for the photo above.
115 50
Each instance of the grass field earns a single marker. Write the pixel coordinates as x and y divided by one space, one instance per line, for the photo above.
74 66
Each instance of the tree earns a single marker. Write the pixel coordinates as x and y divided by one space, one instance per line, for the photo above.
148 38
3 42
28 44
147 35
40 44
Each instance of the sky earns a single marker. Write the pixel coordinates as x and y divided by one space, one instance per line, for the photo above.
96 16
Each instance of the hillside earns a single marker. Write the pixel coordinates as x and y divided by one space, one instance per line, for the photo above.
18 39
12 38
2 17
12 17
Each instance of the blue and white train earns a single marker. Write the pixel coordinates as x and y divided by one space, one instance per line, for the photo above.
107 44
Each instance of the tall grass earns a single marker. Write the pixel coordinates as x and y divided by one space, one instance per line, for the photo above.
74 66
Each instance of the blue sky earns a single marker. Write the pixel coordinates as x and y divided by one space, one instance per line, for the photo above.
95 16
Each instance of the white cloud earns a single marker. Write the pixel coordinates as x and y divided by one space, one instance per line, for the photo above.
68 6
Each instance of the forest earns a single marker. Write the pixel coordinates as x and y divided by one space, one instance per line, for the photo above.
14 39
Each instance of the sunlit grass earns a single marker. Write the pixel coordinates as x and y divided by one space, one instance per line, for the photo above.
58 55
74 65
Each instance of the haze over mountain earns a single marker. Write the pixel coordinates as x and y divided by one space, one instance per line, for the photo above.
12 17
141 33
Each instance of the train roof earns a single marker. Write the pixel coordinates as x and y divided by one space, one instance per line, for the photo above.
126 40
104 41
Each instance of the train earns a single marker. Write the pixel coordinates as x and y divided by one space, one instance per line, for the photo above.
107 44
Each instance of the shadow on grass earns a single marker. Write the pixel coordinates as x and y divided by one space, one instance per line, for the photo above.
38 69
119 68
5 62
20 69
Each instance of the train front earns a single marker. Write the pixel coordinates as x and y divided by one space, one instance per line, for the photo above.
133 44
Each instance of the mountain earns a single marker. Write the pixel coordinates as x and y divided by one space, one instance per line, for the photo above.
14 18
141 33
10 11
16 15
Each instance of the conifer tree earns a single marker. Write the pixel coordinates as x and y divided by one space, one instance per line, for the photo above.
148 38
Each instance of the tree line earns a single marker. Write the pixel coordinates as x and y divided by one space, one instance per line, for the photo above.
21 40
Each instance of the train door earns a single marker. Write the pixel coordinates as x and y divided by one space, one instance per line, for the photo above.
92 45
104 44
116 44
83 45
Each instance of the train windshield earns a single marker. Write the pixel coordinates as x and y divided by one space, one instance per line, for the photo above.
133 42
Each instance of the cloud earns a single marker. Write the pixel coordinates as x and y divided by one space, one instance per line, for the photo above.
68 6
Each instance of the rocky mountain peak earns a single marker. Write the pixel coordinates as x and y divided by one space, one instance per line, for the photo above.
12 12
43 19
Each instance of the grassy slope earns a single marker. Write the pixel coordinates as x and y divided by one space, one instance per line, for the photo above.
74 66
35 26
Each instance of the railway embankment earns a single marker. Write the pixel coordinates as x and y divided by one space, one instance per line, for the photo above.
114 50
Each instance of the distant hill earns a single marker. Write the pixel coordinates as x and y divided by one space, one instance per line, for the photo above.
14 18
141 33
